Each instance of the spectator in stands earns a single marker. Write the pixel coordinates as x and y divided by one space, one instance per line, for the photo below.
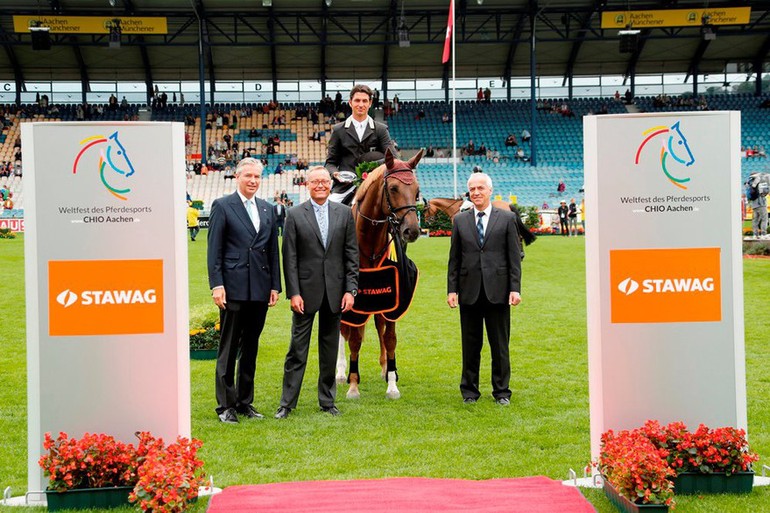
525 135
124 103
573 218
204 170
520 155
79 114
284 196
470 148
629 97
302 164
227 138
4 191
545 206
482 150
480 95
280 215
511 141
338 102
313 116
220 121
430 152
561 187
445 118
488 95
396 105
316 136
229 173
420 114
113 102
8 203
278 169
563 212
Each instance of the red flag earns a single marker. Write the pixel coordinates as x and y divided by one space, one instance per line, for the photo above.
449 27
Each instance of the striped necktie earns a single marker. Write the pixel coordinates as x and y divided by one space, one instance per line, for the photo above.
480 228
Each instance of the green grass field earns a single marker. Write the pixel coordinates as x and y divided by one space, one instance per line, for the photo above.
429 431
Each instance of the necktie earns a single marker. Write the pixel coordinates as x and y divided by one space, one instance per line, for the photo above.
251 208
480 228
321 214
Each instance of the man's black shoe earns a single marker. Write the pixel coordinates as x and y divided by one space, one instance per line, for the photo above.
282 413
469 400
250 412
228 416
331 410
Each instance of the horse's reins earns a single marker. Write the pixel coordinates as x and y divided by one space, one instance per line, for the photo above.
404 174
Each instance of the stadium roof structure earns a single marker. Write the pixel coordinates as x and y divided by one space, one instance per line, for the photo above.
364 39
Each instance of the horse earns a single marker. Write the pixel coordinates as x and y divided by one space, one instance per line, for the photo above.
452 207
114 155
385 213
673 145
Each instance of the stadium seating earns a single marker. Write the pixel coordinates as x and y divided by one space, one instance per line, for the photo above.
559 141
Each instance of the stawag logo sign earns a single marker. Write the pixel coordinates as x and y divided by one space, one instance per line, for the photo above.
675 152
105 297
665 285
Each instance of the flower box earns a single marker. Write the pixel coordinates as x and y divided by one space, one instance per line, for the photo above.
626 506
203 354
690 483
89 498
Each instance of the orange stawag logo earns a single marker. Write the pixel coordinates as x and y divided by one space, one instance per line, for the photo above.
105 297
665 285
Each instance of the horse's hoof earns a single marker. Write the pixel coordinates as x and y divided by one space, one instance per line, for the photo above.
341 378
353 394
393 394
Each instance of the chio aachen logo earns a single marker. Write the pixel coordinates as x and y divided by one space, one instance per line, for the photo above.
67 298
673 149
114 166
666 285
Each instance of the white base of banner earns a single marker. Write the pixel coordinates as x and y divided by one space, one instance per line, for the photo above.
38 498
596 481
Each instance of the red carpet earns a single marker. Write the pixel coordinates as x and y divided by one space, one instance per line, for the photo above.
405 495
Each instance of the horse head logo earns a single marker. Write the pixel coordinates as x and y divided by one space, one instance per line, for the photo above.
114 165
673 145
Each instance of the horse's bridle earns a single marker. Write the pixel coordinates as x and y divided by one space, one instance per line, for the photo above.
392 218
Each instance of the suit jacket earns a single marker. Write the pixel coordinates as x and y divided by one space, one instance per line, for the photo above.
244 261
345 150
282 216
496 264
310 270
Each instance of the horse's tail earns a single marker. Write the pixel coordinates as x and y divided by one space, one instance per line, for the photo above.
527 236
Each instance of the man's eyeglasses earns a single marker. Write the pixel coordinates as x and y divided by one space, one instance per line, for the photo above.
319 182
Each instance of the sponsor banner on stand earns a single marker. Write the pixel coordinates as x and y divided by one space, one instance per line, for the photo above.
106 281
664 270
15 225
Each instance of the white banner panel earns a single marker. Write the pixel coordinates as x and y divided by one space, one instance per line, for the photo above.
664 270
106 281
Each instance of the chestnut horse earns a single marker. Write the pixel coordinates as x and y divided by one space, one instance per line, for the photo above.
451 207
386 213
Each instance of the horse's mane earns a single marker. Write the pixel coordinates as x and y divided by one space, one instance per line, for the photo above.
374 175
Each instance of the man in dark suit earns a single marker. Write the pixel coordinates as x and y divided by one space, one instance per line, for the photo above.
245 279
320 268
484 278
280 215
357 135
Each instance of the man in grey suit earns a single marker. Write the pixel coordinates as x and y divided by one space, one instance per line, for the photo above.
484 278
320 269
245 279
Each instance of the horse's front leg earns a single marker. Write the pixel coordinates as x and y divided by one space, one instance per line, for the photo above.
387 334
342 364
355 337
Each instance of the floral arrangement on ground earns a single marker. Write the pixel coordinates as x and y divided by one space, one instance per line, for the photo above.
206 336
642 463
165 478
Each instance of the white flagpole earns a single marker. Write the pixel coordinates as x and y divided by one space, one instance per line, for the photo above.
454 103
